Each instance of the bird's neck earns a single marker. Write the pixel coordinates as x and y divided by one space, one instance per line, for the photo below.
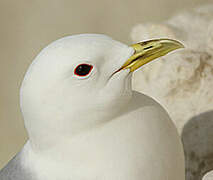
46 133
48 137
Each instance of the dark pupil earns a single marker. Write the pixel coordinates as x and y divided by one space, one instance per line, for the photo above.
83 69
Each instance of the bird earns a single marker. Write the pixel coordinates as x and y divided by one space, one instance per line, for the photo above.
85 122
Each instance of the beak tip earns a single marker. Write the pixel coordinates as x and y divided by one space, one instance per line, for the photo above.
181 45
178 44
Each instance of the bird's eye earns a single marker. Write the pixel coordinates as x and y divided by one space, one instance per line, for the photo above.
83 69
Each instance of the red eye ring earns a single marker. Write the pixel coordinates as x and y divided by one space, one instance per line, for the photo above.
83 69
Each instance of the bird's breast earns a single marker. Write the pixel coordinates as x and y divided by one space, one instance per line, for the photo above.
140 143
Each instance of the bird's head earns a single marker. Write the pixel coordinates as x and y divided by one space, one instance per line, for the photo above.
80 81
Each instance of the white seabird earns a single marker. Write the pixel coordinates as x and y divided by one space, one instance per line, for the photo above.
84 120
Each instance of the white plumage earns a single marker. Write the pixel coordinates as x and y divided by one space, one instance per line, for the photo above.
93 127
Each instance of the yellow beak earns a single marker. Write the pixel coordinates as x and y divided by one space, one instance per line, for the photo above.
149 50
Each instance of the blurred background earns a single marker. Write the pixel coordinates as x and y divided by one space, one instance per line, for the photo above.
27 26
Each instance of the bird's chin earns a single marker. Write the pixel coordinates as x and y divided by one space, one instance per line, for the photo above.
119 77
120 85
120 74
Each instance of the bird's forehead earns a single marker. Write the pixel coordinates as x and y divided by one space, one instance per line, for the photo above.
68 52
85 45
